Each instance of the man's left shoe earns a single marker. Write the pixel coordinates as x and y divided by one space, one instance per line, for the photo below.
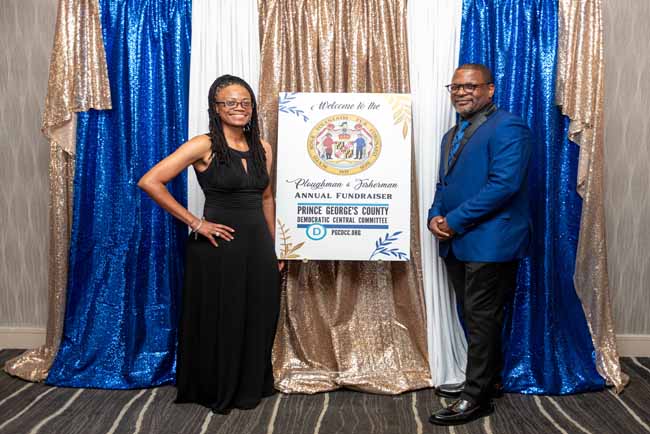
460 412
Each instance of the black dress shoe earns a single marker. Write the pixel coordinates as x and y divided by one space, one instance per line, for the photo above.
460 412
450 390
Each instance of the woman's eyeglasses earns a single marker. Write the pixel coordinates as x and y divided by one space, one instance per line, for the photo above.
231 103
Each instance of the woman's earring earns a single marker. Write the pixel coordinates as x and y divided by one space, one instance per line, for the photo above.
247 127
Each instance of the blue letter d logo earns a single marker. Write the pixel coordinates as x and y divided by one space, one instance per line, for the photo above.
316 232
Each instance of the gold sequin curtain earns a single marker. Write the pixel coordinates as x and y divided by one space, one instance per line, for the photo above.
78 81
359 325
580 92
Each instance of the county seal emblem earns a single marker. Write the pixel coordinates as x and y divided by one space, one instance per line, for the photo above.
344 144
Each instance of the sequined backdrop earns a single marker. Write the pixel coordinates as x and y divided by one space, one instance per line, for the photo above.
126 253
548 345
354 324
580 93
27 29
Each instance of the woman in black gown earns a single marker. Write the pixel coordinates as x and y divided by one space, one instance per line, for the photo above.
231 292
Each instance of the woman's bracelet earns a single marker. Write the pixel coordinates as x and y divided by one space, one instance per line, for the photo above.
196 229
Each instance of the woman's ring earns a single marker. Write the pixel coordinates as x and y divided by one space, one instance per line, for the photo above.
217 234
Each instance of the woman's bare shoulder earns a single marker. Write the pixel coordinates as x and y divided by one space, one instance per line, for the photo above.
201 140
200 147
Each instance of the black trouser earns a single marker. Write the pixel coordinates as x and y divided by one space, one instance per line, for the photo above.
482 291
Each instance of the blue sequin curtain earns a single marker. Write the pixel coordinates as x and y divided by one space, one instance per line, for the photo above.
126 254
548 348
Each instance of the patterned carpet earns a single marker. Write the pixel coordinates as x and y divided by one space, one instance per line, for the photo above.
28 408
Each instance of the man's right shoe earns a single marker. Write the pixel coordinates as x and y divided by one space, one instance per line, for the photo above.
450 390
460 412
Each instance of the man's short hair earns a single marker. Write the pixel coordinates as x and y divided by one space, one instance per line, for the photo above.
484 70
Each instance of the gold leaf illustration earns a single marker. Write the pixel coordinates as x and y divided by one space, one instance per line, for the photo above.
288 248
296 247
401 106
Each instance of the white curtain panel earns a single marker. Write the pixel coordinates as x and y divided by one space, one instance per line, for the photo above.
434 43
225 40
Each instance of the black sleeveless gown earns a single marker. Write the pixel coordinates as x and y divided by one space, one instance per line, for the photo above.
231 296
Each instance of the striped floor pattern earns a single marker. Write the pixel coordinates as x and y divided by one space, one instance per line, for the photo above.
28 408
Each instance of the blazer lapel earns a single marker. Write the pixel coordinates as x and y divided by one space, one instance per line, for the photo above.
476 121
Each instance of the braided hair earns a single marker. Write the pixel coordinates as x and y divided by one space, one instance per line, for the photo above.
219 145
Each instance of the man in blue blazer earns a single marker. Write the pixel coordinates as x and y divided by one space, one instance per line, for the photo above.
480 216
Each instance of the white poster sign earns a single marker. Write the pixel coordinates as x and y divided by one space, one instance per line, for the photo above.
344 176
